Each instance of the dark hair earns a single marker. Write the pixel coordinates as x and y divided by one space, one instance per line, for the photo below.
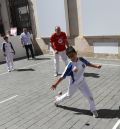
5 37
70 50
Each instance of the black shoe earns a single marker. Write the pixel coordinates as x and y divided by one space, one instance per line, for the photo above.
33 58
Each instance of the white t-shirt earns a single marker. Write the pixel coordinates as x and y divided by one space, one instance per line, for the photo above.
26 38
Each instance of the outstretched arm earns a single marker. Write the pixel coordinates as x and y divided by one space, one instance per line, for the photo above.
66 73
54 86
87 63
95 65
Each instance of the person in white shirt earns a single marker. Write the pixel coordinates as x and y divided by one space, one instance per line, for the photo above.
75 69
26 41
9 53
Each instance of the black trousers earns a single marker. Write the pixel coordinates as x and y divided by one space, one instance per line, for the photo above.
27 48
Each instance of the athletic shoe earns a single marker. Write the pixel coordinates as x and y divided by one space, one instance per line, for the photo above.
12 69
56 103
95 114
9 70
56 74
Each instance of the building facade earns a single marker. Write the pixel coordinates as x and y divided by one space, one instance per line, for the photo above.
92 26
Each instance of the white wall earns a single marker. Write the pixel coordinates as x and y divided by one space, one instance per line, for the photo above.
106 47
100 17
50 14
15 40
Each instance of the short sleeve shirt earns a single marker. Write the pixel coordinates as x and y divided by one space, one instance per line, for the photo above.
26 38
59 41
76 76
7 47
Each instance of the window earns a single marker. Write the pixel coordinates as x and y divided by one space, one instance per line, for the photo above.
20 15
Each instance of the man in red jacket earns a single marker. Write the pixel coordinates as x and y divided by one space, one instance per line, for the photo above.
59 43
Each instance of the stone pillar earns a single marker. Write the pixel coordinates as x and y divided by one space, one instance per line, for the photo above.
4 15
73 17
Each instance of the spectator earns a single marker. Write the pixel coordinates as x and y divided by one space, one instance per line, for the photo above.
59 43
9 53
27 42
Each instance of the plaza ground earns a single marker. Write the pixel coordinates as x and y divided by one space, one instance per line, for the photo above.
27 102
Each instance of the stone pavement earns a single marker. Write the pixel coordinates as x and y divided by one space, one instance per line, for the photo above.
26 101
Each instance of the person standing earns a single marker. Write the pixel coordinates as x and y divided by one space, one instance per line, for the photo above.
26 41
9 53
59 43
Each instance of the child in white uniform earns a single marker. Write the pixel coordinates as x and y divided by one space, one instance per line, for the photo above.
9 52
75 69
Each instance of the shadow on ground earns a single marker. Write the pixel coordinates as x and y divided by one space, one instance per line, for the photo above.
3 62
102 113
95 75
109 113
76 110
22 70
42 59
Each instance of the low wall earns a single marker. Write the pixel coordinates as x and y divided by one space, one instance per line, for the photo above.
15 40
85 46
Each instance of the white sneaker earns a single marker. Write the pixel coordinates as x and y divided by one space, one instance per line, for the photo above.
56 103
12 69
56 74
95 114
9 70
56 97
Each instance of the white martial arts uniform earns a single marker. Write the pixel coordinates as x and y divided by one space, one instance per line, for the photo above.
9 54
77 81
63 56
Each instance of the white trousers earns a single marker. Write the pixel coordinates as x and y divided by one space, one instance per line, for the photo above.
83 87
9 60
63 56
